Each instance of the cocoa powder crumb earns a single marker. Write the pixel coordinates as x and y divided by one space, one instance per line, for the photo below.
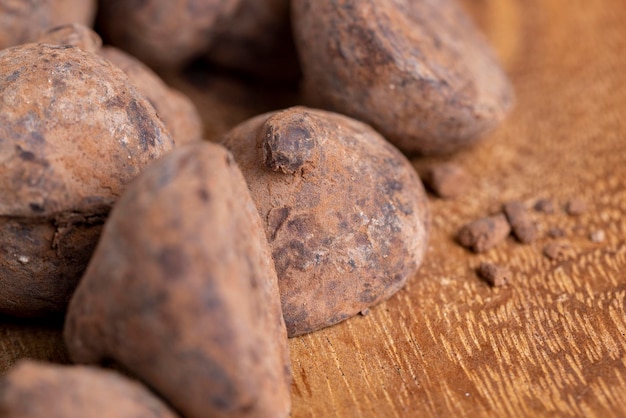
597 236
556 250
522 225
494 274
446 180
485 233
545 206
556 233
576 206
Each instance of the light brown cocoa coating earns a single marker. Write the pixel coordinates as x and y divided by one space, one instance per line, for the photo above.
24 21
178 113
181 291
164 33
35 389
485 233
74 132
257 40
521 222
345 213
418 71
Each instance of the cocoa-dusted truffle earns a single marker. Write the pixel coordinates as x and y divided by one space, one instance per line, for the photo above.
182 291
345 213
418 71
74 133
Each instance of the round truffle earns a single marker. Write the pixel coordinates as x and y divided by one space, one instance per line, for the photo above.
344 211
418 71
73 133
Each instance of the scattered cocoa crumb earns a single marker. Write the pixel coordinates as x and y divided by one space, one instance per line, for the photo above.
494 274
446 180
555 250
522 225
597 236
556 233
485 233
576 206
545 206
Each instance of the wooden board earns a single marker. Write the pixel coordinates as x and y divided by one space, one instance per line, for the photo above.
553 343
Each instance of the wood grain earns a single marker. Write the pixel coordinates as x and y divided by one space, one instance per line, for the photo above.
552 343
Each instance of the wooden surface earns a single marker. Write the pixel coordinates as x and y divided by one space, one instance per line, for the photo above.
553 343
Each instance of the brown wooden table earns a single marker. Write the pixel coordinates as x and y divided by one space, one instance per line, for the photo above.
552 343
